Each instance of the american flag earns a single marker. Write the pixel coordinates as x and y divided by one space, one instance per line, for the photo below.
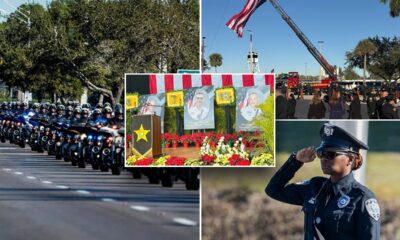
238 21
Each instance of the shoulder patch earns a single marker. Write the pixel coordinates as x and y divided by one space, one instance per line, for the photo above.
305 182
373 208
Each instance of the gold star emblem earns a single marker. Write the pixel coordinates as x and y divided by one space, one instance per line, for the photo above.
141 133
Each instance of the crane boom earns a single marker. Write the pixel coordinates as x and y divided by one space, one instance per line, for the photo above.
311 48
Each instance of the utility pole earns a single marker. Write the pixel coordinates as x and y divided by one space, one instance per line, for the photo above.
203 47
252 57
305 72
321 69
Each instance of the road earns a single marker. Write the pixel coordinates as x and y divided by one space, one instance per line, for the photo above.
44 198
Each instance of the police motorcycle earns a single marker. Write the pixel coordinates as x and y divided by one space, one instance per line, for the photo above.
79 145
60 126
3 120
71 136
50 133
102 139
58 138
44 135
9 124
22 127
34 135
95 140
40 132
112 150
6 124
80 148
113 153
21 130
56 122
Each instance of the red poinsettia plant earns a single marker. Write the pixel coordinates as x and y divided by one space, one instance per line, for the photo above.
166 138
235 159
198 137
175 161
187 138
230 138
144 162
174 138
209 160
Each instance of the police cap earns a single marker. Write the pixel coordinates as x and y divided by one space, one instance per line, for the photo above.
337 139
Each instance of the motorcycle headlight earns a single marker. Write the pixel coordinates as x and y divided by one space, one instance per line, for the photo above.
106 152
95 150
83 136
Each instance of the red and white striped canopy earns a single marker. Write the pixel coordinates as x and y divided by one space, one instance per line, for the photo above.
170 82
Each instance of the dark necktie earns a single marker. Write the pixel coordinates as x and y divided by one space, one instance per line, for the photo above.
329 193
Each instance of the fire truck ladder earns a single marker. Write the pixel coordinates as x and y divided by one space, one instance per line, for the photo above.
311 48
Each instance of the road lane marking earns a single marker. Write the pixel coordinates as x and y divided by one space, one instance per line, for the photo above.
62 187
108 200
185 221
139 208
6 169
47 182
82 191
18 173
7 148
31 177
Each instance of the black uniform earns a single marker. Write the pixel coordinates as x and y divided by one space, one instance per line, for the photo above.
281 107
371 105
352 221
389 112
342 210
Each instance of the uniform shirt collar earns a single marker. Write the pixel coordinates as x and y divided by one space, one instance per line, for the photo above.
343 184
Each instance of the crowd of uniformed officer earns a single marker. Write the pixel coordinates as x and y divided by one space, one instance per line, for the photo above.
381 100
73 113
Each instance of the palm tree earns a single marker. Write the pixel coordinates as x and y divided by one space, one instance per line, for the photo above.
394 7
364 49
215 60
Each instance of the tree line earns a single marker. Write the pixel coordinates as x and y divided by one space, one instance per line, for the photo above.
72 44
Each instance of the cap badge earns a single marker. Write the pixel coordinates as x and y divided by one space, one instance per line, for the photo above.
328 131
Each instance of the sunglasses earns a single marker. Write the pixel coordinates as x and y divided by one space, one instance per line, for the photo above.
329 154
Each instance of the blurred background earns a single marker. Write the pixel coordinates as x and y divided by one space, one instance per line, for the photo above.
234 205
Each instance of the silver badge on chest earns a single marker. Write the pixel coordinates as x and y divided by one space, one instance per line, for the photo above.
343 201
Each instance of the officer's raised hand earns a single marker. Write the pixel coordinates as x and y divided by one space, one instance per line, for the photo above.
306 155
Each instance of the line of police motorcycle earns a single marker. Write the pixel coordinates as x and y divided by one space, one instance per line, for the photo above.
98 142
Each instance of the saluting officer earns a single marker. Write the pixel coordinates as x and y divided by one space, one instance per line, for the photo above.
337 207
